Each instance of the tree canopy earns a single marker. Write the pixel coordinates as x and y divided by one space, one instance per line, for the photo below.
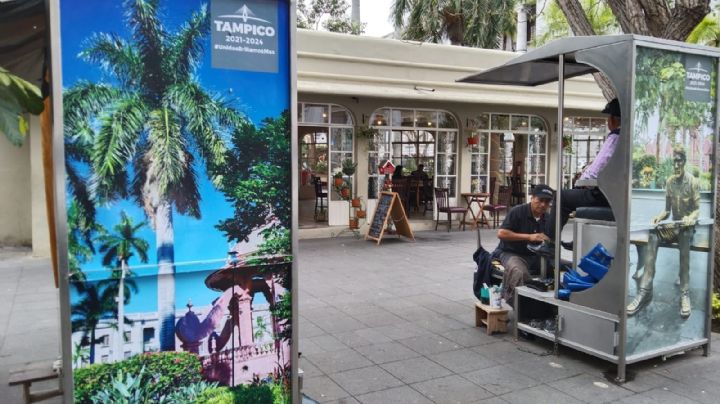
328 14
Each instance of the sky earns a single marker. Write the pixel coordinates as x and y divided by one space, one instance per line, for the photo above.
376 14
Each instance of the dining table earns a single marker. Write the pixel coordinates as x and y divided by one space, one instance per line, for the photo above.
479 199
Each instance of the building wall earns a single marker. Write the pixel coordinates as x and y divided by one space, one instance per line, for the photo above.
15 183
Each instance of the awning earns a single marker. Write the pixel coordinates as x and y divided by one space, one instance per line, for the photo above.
540 66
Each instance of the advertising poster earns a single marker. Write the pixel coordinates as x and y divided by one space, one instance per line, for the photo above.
672 199
177 138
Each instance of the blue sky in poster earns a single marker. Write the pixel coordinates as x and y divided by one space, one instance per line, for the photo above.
257 95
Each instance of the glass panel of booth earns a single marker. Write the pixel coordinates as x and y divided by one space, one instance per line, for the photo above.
315 113
582 139
671 213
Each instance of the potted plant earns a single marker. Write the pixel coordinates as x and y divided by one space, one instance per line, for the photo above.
365 131
567 144
338 178
360 213
354 223
472 140
356 202
348 167
345 191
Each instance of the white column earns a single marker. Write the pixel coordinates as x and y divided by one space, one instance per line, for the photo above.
521 45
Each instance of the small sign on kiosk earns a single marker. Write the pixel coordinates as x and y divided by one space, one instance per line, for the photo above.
389 205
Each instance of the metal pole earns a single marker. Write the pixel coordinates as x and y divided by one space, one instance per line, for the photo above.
558 175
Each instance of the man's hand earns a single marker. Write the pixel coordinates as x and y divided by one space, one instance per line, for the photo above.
659 218
538 238
688 221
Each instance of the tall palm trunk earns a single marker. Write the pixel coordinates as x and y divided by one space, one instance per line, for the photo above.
165 240
119 341
92 345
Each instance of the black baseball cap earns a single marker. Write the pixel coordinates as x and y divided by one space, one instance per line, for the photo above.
612 108
543 191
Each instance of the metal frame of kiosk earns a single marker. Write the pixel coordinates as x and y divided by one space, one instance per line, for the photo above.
595 321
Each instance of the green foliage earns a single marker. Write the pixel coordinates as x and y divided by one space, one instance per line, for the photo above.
663 172
328 14
124 388
191 393
256 177
348 167
598 13
478 23
716 305
17 97
217 395
707 32
338 174
164 373
640 162
256 393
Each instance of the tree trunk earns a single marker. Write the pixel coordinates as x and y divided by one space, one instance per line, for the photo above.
164 237
119 342
92 346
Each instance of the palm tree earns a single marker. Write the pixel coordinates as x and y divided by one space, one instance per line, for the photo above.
476 23
118 248
96 304
137 131
707 32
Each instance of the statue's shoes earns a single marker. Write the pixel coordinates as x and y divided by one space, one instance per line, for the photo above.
685 304
643 297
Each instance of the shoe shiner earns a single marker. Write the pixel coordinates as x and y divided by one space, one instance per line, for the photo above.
523 225
682 200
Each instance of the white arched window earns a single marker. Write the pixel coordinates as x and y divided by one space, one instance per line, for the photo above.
410 137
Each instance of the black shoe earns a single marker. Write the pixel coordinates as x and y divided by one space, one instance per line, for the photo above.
546 249
568 245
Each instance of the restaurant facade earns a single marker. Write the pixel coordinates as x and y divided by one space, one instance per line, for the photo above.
372 100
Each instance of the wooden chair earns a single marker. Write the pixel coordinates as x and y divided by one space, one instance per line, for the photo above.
320 198
501 205
442 202
518 193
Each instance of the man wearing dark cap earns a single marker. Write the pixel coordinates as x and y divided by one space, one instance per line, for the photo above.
572 199
524 224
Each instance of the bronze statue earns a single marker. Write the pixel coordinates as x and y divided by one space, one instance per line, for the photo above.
682 199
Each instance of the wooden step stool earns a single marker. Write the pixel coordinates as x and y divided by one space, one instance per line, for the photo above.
494 319
35 372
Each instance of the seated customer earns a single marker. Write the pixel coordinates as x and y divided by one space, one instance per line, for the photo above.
420 173
571 199
523 224
398 174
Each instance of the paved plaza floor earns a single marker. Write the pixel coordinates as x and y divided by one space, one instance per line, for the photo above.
388 324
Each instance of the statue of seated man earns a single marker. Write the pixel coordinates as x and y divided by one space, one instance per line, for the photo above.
682 200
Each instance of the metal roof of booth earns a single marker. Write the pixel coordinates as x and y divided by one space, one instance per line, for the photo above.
539 66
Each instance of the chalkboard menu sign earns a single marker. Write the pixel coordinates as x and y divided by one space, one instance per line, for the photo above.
389 205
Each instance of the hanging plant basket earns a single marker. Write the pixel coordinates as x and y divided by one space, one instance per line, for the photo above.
472 140
360 214
338 181
345 193
355 202
354 223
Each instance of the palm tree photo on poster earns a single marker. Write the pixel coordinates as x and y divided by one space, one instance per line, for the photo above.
148 118
117 249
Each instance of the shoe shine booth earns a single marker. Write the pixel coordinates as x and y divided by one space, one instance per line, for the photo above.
668 99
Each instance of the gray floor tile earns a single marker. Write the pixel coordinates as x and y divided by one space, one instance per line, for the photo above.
463 360
500 380
337 324
429 344
362 337
441 323
309 368
402 331
657 396
328 343
507 352
591 389
365 380
545 369
451 390
379 319
338 361
346 400
323 389
387 352
416 370
539 395
470 337
397 395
